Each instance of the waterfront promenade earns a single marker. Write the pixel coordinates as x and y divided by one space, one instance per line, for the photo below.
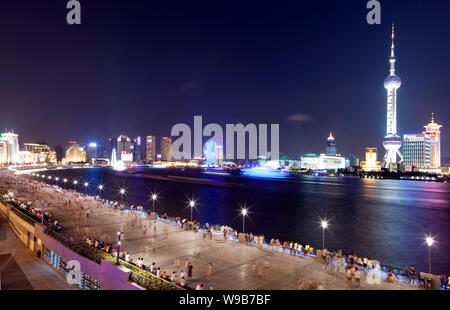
22 270
235 265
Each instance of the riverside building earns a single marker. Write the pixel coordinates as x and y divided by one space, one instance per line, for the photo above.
433 131
417 150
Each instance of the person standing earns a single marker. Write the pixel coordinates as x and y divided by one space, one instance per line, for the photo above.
189 268
412 274
357 276
209 271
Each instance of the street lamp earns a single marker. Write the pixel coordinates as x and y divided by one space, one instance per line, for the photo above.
192 205
324 225
86 184
65 182
429 241
75 184
122 192
244 213
118 248
154 197
100 188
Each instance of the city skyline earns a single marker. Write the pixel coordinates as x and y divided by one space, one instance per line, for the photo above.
240 75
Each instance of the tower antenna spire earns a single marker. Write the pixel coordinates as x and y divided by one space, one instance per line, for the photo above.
392 58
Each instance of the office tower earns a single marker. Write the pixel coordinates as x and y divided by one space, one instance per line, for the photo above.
150 148
330 146
91 151
166 148
434 132
124 148
371 163
392 141
137 155
11 141
210 153
417 150
59 153
219 155
75 153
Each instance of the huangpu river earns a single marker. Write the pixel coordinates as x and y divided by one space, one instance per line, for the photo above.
386 220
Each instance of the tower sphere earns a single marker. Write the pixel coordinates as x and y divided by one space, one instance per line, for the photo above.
392 82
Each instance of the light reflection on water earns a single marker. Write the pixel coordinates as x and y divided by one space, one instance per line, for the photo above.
383 219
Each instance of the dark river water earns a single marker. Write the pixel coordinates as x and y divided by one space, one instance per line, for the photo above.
385 220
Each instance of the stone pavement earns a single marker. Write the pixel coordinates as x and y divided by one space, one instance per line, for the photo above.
235 266
24 271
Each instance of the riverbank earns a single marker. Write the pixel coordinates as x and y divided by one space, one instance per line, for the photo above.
235 265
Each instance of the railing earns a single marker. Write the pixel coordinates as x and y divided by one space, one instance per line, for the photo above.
138 275
31 218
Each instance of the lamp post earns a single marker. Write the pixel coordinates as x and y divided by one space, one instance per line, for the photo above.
118 248
324 225
244 213
86 184
75 184
154 196
65 183
122 192
100 188
429 241
56 180
192 205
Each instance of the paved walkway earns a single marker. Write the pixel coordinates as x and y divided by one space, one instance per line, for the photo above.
23 270
235 266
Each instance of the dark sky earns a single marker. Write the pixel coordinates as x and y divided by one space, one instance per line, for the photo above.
139 67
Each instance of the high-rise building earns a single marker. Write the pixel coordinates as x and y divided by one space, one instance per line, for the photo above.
210 153
137 156
166 148
371 163
91 151
219 156
11 140
150 149
59 153
331 146
433 131
75 153
417 150
392 141
124 148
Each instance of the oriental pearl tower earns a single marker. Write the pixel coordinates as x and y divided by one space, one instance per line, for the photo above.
392 141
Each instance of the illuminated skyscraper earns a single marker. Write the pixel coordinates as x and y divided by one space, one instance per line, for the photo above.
210 153
416 150
124 148
434 132
371 163
75 153
392 141
331 146
11 141
166 148
150 150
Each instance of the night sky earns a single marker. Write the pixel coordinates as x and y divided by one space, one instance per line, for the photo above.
139 67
